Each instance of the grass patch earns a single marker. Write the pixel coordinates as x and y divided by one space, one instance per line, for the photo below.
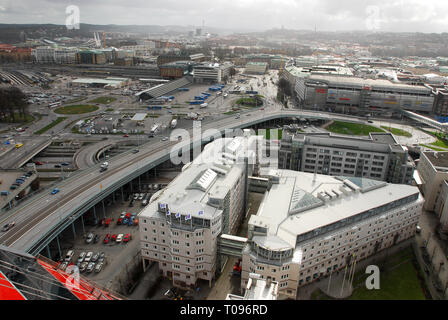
252 102
431 147
103 100
109 109
51 125
76 109
400 283
267 134
440 143
397 132
229 113
353 129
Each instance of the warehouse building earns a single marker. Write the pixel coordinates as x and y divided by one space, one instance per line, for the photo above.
179 229
380 157
310 225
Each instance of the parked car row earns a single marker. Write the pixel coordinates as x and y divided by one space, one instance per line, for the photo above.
20 180
87 261
117 238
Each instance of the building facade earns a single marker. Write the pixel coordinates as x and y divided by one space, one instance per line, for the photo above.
309 226
179 228
211 72
380 157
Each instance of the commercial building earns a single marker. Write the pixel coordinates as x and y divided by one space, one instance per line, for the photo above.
379 157
211 72
310 225
100 83
176 70
179 228
65 55
362 96
256 68
167 58
43 54
91 57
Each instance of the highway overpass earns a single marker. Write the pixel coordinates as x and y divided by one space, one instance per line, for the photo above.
41 218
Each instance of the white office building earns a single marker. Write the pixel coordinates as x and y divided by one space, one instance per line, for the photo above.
211 72
310 225
179 228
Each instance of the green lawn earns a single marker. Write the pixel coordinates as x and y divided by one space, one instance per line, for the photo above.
440 143
109 109
432 147
397 132
51 125
103 100
76 109
267 134
353 129
399 284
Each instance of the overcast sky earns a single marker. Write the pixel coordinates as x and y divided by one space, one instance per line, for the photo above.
326 15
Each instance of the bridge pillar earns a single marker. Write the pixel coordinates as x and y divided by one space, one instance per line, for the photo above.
82 223
122 195
59 246
73 229
94 212
48 252
113 197
139 184
104 209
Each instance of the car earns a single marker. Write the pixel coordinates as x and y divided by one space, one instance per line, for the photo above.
164 138
98 267
140 197
69 255
114 237
65 164
125 221
128 215
102 257
38 163
262 109
57 166
135 222
95 257
55 190
13 187
81 257
136 196
88 256
126 136
83 266
5 193
63 265
127 237
119 221
106 238
135 151
8 226
119 238
96 239
131 222
370 121
90 267
90 237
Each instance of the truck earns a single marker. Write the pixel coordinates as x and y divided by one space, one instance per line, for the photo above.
155 128
173 123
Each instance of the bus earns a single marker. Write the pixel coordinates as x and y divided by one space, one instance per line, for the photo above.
155 128
54 105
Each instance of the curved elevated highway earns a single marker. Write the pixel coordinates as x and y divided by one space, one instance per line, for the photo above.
40 219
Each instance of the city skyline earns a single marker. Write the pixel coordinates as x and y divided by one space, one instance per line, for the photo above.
323 15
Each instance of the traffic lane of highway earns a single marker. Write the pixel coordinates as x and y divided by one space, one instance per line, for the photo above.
47 221
119 163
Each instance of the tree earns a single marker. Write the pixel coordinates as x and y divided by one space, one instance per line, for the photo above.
12 102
